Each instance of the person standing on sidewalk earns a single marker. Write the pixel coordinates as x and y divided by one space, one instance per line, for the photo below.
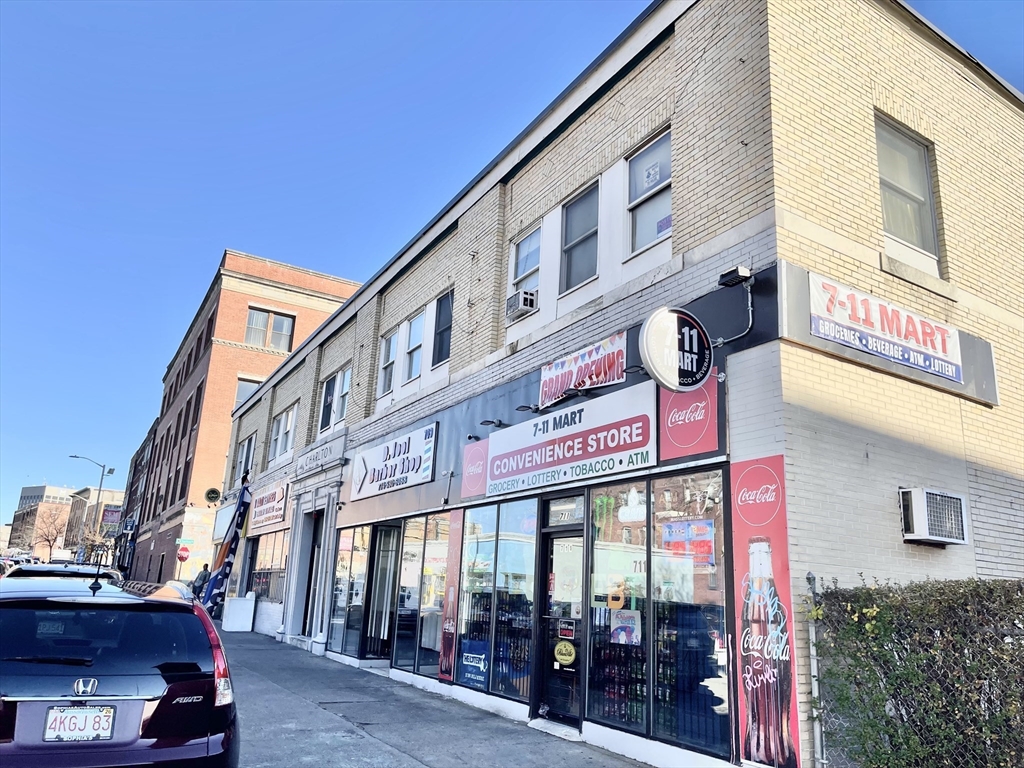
200 583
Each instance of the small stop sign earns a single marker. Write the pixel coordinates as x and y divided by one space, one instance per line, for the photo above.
183 554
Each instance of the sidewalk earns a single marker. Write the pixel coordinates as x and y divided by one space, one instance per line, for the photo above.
299 709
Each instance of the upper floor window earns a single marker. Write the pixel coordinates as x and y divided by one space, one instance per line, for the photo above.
527 267
209 330
268 329
414 349
245 388
387 362
282 433
243 457
579 240
443 328
334 399
650 193
903 170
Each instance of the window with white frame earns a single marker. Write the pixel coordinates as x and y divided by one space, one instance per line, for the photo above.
443 328
282 433
387 362
269 329
526 271
243 457
903 170
334 399
414 349
579 240
650 193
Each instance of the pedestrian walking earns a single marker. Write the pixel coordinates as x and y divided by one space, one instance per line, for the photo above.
200 583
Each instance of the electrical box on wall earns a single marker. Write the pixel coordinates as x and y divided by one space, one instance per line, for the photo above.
933 517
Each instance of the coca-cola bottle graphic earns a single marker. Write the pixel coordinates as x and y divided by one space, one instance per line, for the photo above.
765 674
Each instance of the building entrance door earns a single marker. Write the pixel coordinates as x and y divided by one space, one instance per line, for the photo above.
561 689
381 618
309 612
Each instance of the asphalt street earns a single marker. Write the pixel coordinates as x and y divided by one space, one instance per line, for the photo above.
299 709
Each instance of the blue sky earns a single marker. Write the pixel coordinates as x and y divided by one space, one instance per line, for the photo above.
138 140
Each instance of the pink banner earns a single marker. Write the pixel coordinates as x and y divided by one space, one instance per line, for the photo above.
449 619
474 469
764 614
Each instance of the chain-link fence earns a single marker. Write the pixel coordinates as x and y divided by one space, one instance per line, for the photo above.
928 675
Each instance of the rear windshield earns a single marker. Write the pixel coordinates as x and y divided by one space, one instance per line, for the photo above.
61 573
43 637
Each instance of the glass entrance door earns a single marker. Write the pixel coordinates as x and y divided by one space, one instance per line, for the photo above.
562 638
380 620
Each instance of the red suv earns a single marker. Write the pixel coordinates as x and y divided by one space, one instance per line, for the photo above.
93 674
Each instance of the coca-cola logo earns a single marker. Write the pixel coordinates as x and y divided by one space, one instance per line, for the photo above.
758 496
474 463
689 421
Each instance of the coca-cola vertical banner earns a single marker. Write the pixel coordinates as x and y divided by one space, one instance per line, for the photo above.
450 615
764 614
689 420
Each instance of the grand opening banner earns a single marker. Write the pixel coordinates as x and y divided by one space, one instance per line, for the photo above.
764 614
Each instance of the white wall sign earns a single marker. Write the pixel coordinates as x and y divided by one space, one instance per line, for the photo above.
405 461
611 433
268 505
598 365
861 321
320 455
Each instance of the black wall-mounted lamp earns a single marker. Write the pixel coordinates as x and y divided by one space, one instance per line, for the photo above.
530 408
574 392
493 423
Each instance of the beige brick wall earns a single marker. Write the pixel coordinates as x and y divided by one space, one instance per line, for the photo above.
824 99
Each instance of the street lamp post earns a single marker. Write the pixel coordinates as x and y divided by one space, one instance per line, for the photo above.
99 501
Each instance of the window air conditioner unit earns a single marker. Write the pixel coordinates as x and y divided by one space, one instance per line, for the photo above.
933 516
519 304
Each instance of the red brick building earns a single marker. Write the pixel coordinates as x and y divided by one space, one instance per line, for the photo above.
254 314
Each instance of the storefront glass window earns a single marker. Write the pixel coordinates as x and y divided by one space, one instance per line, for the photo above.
514 591
691 687
339 605
473 657
267 576
409 594
435 571
618 606
356 589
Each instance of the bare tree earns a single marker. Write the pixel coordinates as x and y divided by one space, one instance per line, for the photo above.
50 525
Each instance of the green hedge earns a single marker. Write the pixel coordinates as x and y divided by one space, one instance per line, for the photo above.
927 675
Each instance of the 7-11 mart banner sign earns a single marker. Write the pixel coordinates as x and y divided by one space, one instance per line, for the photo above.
611 433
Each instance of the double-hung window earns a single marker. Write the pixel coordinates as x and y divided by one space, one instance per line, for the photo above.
579 240
269 330
387 362
243 457
282 433
334 401
443 328
414 349
527 266
650 193
903 169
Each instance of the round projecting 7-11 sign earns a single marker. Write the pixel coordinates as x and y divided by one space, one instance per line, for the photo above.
676 350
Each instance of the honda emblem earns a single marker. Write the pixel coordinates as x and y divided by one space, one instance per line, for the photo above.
85 686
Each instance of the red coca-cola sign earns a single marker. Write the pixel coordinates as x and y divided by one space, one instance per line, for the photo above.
757 496
474 469
689 420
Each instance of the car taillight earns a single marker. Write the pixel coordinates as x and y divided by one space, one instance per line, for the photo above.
221 677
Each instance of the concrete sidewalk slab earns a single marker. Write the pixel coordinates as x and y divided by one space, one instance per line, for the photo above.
300 709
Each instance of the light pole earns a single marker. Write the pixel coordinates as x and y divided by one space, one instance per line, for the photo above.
99 502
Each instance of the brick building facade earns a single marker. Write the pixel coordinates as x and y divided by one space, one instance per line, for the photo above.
254 313
875 347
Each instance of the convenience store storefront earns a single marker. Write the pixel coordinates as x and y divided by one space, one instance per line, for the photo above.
572 566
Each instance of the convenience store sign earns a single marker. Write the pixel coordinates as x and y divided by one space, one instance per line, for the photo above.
861 321
606 435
